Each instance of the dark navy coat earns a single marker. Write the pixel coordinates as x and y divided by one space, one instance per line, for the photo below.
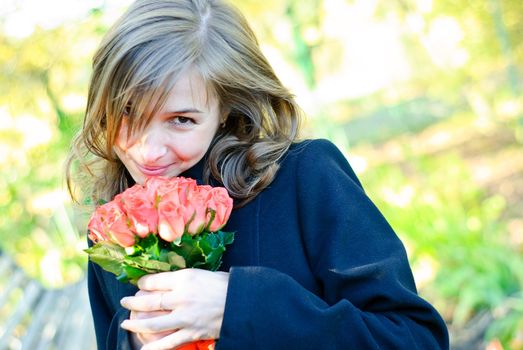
314 265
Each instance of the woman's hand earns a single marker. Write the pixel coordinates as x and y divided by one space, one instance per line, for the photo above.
173 308
144 338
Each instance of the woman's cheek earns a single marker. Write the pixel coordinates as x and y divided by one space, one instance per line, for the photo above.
125 141
190 148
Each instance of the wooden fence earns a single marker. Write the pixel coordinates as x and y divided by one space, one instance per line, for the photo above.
36 318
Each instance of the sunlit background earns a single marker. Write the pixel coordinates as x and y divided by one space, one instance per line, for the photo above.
423 97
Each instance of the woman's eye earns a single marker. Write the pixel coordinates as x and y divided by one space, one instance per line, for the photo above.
182 121
127 110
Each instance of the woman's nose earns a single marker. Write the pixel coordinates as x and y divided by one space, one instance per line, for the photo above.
152 147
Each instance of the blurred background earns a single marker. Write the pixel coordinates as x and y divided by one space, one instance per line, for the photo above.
423 96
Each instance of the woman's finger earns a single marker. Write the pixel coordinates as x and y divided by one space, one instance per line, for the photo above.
139 315
164 280
149 337
143 292
148 302
154 324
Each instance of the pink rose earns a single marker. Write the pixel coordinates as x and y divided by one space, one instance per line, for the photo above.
195 213
96 228
158 186
218 200
140 210
109 222
179 202
154 186
171 224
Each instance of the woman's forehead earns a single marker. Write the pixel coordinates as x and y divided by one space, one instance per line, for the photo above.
186 92
190 91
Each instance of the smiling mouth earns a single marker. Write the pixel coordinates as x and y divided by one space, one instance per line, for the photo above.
153 170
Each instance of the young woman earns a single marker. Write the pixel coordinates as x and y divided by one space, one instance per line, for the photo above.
181 88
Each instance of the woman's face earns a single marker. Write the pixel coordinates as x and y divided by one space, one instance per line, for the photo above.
177 137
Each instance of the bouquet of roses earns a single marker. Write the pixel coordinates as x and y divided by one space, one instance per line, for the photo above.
164 225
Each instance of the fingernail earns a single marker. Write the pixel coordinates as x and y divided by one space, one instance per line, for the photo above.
123 301
124 324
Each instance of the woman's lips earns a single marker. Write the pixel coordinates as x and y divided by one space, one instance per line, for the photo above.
153 170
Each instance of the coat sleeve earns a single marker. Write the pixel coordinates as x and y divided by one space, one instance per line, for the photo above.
107 320
368 299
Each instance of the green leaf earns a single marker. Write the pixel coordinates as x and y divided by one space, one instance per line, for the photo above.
108 255
215 257
135 267
151 246
212 246
152 255
176 260
189 249
213 250
150 266
130 274
227 237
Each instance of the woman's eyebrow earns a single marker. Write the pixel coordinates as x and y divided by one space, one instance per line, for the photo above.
183 111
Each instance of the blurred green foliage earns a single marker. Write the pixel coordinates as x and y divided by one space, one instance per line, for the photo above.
456 236
424 96
43 79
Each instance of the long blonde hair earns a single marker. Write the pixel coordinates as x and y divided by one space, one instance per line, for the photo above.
139 61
